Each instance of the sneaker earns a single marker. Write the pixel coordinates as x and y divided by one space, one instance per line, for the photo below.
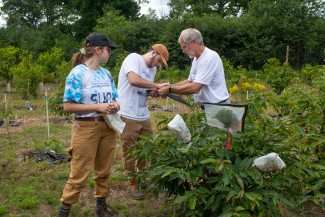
104 211
135 193
63 214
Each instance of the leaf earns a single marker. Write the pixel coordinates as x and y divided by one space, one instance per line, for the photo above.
244 214
318 166
301 131
209 160
304 198
241 194
210 201
240 182
202 190
181 199
254 197
254 109
226 214
239 208
230 195
192 202
168 172
183 150
225 177
287 201
222 188
216 204
312 173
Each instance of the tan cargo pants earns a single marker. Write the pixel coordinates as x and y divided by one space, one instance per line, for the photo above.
133 129
92 145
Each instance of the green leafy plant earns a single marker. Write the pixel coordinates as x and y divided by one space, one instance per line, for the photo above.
207 180
28 77
277 75
10 57
3 211
56 102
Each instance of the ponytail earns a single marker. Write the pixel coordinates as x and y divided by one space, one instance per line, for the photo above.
83 54
77 59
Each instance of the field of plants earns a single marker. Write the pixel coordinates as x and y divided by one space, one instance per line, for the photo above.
286 115
273 55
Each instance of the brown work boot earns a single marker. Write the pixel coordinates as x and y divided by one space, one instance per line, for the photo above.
104 211
133 190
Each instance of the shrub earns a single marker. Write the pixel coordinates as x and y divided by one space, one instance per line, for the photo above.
277 75
207 180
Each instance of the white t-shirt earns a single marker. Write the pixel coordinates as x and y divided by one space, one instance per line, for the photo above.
208 70
133 100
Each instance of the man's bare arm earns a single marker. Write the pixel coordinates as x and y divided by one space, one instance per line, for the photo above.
137 81
184 89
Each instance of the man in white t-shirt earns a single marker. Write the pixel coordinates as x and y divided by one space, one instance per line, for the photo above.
206 80
136 80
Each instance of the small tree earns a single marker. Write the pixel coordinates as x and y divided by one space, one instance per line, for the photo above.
29 75
278 76
9 57
50 60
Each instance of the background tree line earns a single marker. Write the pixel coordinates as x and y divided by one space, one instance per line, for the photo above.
246 32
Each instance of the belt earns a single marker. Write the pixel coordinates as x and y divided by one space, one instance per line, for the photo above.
91 119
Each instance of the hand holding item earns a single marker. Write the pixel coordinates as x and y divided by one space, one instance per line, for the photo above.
113 108
108 108
152 92
158 86
163 91
116 105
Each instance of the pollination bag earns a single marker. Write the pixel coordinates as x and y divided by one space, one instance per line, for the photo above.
114 122
226 116
269 162
179 129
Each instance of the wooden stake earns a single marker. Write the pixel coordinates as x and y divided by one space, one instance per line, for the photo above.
47 115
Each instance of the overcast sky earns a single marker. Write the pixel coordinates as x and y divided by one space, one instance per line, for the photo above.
2 22
160 6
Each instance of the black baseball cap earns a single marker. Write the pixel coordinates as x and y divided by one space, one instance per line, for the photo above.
98 39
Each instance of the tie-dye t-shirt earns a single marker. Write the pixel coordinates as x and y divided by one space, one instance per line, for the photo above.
85 86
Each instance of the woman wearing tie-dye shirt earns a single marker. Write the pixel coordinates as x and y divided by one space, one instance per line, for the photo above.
89 91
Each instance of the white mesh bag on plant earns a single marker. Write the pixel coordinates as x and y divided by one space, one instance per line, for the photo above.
269 162
180 130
